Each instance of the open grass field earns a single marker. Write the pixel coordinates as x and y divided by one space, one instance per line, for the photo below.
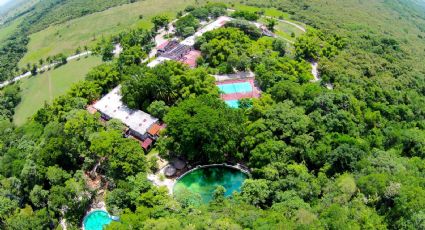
45 87
272 12
286 30
83 31
66 37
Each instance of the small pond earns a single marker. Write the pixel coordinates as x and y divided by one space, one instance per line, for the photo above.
203 181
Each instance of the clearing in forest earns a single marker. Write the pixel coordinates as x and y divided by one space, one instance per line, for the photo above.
44 87
66 37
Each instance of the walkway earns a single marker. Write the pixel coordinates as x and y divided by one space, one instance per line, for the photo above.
315 71
159 179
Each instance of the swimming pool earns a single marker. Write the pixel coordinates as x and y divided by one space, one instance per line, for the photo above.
241 87
96 220
233 103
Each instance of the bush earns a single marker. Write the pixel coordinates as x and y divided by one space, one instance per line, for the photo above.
250 16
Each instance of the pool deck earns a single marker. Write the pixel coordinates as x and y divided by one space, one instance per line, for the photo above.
234 76
167 182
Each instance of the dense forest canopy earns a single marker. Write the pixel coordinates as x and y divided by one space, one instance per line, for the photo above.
350 156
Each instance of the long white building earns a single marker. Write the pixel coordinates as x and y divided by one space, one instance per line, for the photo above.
111 106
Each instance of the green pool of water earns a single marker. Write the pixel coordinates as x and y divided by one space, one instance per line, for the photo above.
96 220
204 181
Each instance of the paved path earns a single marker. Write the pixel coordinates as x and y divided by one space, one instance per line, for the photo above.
43 68
315 71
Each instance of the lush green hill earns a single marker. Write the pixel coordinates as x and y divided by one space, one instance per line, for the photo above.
62 11
6 30
350 156
66 37
39 15
14 9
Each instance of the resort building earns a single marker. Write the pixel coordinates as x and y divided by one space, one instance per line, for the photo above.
184 51
111 106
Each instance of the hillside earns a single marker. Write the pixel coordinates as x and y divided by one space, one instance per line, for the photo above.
66 37
14 9
40 15
236 115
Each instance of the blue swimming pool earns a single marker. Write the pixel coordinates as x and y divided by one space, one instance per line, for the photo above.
96 220
233 103
241 87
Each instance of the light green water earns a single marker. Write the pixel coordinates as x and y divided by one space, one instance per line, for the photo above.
204 181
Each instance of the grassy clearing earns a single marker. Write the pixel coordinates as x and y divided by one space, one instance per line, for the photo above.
272 12
46 86
83 31
8 29
286 31
283 30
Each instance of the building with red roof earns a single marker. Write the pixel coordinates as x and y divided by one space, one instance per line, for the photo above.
147 144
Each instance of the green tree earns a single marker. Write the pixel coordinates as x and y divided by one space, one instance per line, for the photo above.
218 195
72 200
131 56
86 89
256 192
124 157
29 219
105 75
199 142
38 196
158 109
186 22
7 207
56 175
271 23
105 49
34 70
248 15
160 21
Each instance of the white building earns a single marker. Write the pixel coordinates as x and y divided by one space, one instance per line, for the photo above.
111 106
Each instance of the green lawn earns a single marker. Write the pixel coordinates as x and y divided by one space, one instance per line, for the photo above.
272 12
45 87
285 30
82 31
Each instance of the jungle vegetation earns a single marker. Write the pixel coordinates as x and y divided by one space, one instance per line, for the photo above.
350 157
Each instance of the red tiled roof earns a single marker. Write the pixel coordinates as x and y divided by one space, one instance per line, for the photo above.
91 109
154 129
190 58
163 45
146 143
